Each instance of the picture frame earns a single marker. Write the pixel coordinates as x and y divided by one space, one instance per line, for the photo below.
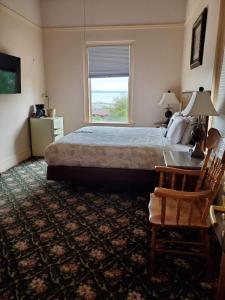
198 40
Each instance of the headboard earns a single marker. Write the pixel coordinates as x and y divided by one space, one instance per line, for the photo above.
185 98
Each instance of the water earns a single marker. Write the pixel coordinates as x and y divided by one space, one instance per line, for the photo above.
106 96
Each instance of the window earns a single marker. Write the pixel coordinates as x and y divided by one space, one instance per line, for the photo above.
108 84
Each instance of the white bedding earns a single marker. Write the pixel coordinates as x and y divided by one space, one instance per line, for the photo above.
111 147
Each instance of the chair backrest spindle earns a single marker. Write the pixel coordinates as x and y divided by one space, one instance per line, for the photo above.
214 175
161 179
163 210
173 180
184 182
191 211
179 204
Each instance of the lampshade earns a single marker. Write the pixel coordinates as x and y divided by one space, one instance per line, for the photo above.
168 99
200 104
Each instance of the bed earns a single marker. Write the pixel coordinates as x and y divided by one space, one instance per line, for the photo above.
105 153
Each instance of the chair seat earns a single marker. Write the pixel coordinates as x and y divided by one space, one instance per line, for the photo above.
171 212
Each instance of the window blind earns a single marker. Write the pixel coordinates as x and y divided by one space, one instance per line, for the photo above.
108 61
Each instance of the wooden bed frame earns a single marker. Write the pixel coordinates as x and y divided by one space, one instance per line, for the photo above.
103 175
109 175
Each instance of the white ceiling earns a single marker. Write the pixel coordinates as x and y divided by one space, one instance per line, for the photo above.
108 12
99 12
30 9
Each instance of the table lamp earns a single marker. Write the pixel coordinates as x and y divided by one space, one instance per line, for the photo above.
200 105
167 101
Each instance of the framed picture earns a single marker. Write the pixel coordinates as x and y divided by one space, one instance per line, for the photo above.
198 39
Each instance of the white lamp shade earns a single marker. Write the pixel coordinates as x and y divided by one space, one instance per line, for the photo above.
168 99
200 104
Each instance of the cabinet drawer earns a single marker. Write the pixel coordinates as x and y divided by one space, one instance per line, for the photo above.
57 137
43 132
58 132
58 123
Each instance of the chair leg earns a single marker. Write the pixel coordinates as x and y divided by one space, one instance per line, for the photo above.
221 285
205 239
153 246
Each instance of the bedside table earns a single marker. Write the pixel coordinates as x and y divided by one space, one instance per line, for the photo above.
160 124
43 132
182 160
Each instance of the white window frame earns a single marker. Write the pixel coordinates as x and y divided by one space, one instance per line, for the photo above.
87 85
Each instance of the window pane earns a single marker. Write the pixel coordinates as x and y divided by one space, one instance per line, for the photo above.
109 99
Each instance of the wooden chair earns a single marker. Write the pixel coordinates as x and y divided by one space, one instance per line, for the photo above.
173 208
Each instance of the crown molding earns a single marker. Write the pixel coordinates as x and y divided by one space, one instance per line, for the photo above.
20 17
116 27
23 19
189 18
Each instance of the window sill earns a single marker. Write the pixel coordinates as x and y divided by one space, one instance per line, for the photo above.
129 124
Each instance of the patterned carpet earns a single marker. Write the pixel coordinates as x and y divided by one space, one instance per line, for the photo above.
59 241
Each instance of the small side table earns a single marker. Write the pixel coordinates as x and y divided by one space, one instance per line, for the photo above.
182 160
45 131
160 124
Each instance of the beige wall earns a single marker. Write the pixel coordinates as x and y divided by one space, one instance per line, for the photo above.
157 51
219 78
160 55
202 75
21 38
157 56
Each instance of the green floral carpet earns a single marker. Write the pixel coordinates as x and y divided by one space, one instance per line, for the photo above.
60 241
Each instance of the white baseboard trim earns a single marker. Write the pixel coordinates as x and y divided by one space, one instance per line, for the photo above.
14 160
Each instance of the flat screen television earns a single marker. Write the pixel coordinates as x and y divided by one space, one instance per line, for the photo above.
10 74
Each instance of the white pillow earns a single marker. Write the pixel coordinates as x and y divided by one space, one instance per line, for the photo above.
176 114
186 138
177 129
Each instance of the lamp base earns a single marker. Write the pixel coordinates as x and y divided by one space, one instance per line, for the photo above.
197 151
198 135
168 115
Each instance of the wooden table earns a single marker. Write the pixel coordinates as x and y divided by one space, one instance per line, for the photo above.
182 160
219 228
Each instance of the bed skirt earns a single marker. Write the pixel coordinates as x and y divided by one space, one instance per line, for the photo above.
102 175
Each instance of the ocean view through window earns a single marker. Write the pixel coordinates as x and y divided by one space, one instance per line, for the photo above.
108 83
109 100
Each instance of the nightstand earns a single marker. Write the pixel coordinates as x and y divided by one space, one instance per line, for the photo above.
160 124
43 132
182 160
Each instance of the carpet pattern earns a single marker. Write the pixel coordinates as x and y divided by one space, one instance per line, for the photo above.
60 241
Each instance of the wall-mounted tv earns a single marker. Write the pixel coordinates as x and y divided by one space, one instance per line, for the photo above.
10 74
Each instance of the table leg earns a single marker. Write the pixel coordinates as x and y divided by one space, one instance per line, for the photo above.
221 283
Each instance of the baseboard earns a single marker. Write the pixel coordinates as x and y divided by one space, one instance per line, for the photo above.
14 160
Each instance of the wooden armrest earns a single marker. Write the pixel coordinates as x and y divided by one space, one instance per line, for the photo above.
212 215
178 171
163 192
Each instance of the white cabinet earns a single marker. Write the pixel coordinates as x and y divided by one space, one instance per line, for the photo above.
43 132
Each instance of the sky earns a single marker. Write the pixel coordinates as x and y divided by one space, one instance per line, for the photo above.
109 84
